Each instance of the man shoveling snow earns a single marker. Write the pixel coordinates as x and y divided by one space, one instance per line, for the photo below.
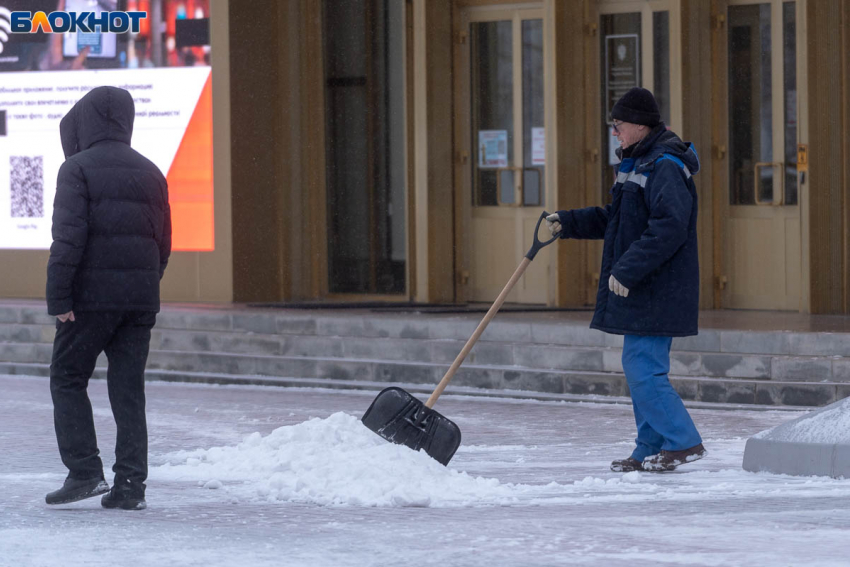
649 284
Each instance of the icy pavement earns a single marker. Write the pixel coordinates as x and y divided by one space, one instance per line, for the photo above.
247 476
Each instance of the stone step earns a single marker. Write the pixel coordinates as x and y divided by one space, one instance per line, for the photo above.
363 374
541 353
510 327
30 333
422 391
226 351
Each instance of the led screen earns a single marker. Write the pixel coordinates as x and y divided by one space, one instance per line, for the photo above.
43 75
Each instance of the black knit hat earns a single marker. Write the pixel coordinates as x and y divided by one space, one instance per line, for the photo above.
637 106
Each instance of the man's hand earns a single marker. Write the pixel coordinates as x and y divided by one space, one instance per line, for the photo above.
617 287
553 223
69 316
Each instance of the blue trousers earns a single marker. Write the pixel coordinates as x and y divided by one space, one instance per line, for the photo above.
661 418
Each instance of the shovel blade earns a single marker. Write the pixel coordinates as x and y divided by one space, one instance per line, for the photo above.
400 418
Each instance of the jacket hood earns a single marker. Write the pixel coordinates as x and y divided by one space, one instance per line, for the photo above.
104 113
663 141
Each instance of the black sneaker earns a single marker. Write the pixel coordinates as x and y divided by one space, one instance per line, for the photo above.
124 499
626 465
669 460
75 490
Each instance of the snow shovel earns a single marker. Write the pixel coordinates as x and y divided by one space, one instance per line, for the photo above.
400 418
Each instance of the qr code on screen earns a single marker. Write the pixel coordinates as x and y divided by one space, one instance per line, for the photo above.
26 177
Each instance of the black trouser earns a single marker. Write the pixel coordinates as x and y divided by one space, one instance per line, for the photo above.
125 337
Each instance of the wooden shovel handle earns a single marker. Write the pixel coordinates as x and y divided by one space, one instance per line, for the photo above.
480 329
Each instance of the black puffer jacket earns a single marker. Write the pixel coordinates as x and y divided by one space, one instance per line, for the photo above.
111 217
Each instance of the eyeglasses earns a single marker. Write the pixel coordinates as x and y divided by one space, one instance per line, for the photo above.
616 126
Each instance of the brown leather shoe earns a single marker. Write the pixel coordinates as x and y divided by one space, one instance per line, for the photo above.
626 465
669 460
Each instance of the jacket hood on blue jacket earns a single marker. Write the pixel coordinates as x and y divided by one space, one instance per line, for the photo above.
104 113
663 141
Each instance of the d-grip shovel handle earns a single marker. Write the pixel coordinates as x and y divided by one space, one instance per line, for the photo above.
535 248
537 245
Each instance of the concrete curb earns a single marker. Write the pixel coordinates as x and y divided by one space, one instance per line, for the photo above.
797 458
815 444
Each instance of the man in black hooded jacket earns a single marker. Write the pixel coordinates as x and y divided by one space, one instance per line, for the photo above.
111 243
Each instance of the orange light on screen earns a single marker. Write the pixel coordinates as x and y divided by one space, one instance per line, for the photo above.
145 28
190 181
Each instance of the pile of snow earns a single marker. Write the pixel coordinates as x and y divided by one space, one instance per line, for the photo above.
829 425
336 461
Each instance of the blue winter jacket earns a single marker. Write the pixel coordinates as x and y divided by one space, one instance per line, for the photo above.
650 232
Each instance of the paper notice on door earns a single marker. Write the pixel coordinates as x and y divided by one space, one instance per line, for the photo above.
538 146
492 148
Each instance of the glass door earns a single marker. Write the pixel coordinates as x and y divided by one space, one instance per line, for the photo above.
762 261
365 133
638 47
502 97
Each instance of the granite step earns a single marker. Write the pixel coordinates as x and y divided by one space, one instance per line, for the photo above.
365 374
538 353
512 328
231 350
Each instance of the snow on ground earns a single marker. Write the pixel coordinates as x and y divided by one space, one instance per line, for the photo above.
830 426
335 460
247 476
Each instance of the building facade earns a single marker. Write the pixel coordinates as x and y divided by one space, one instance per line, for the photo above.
403 150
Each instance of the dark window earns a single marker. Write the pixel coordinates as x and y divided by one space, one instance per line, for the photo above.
364 92
661 63
789 62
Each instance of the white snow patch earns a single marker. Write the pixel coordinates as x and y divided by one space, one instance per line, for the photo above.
336 461
829 425
632 477
593 482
